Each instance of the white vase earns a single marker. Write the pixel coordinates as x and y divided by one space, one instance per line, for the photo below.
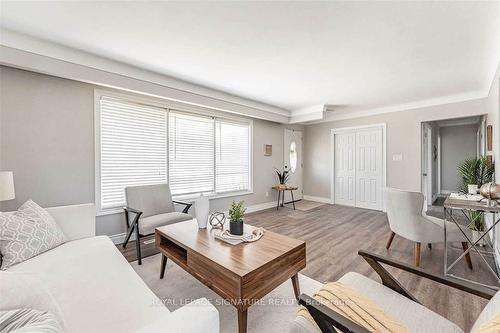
202 208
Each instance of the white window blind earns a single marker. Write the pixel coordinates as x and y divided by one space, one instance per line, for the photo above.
191 153
232 156
133 143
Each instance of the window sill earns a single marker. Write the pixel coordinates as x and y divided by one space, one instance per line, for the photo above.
189 198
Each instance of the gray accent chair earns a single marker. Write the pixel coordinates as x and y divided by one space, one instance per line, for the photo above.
151 207
406 219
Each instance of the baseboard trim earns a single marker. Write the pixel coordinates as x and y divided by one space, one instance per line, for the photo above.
317 199
120 238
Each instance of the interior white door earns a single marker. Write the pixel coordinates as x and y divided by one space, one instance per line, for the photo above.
293 160
427 165
369 168
345 173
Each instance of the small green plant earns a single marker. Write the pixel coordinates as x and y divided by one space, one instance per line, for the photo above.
236 211
475 171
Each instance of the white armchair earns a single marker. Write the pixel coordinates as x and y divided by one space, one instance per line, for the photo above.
406 219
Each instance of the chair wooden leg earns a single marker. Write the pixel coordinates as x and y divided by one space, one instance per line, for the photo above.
138 245
163 266
130 231
417 254
389 242
465 246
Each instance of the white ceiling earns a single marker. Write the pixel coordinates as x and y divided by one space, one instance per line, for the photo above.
349 55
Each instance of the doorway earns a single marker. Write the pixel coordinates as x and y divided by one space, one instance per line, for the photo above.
358 166
446 144
292 160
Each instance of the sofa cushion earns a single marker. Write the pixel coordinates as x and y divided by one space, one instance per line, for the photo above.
413 315
28 321
490 310
181 320
95 287
147 225
26 233
25 290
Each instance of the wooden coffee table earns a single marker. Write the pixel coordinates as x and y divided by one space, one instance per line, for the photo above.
241 274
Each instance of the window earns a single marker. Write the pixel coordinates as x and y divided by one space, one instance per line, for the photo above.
191 153
232 156
140 144
133 146
293 156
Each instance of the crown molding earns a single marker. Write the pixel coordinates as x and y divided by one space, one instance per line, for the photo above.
45 52
344 115
29 53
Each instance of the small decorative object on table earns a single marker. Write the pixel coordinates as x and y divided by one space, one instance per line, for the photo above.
217 220
227 237
202 208
236 213
490 191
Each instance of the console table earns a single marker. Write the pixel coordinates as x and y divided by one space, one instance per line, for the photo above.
466 207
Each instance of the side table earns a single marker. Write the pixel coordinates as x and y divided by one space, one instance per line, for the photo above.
281 188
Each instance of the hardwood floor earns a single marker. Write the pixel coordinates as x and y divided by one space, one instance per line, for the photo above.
334 234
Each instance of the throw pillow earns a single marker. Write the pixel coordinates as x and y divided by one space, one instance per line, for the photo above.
27 233
28 321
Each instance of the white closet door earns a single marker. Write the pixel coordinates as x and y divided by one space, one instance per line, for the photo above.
345 145
369 167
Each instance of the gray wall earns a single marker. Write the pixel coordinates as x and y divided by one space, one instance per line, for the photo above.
47 139
403 137
457 144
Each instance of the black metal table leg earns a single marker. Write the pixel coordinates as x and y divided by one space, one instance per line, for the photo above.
293 200
278 206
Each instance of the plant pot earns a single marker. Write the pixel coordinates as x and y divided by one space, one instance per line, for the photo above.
472 188
476 235
236 227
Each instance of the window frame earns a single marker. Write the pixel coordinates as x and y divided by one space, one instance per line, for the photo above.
168 106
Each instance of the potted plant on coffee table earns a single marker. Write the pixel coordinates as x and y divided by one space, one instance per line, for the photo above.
236 213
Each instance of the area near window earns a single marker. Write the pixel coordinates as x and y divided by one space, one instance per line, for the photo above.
141 144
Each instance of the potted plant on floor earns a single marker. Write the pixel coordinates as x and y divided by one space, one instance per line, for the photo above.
236 213
475 172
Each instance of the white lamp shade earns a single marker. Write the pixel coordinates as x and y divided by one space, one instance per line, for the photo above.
7 186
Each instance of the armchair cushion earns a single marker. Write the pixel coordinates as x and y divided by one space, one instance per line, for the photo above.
147 225
413 315
490 310
150 199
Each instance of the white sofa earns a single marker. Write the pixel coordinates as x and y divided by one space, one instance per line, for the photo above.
98 291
